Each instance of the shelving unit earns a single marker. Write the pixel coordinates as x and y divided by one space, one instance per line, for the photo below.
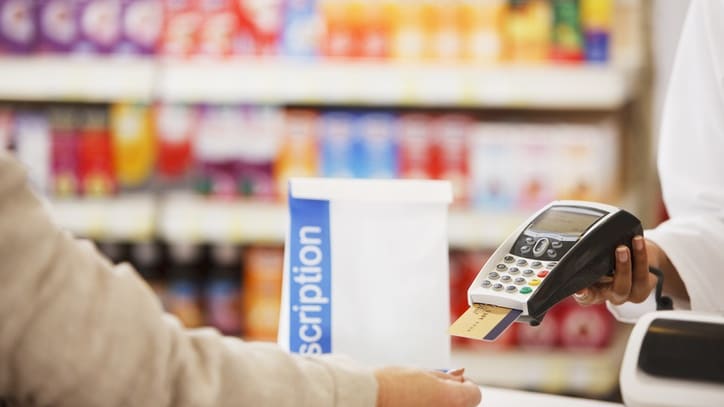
279 81
76 79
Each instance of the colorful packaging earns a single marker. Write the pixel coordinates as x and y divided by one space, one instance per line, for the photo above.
414 139
223 290
100 26
297 155
259 141
141 26
336 142
302 29
64 135
449 153
494 183
217 150
376 28
57 25
263 267
134 147
596 16
338 36
183 295
374 147
175 126
481 25
410 33
32 147
528 30
182 21
18 31
263 19
95 159
567 40
445 35
219 24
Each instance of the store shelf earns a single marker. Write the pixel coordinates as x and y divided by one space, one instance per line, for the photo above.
193 218
78 78
592 373
398 84
119 218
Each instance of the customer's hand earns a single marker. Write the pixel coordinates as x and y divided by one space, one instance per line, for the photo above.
631 280
400 387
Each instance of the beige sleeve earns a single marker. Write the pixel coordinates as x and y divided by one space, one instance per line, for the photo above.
76 331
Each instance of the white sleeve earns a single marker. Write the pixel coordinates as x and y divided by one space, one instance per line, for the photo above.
691 160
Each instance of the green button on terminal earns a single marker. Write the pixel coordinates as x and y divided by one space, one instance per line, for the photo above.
526 290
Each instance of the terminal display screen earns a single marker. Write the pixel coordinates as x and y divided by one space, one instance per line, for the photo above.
561 221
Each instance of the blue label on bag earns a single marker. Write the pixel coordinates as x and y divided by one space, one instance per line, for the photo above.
310 282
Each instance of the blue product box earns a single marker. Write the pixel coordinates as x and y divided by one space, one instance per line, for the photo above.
374 148
337 132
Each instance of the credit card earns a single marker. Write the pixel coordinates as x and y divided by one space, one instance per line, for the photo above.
484 322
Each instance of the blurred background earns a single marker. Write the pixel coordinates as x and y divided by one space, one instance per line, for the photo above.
166 130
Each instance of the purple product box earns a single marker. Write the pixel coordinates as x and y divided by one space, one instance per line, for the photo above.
57 25
99 23
18 30
141 26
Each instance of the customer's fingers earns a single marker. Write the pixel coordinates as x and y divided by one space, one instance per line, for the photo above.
465 394
447 376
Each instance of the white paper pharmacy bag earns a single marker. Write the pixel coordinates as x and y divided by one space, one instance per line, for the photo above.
366 271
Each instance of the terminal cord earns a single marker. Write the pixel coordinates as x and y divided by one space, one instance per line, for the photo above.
662 302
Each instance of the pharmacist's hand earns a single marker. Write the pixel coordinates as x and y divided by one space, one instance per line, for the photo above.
401 387
631 281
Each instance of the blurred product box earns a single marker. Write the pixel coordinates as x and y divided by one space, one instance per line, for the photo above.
183 295
141 26
301 34
58 29
449 152
596 19
567 41
263 20
414 144
374 146
262 281
100 27
181 23
175 127
64 157
336 144
18 30
298 151
481 25
32 147
216 150
522 166
218 26
222 290
134 144
527 30
259 139
95 158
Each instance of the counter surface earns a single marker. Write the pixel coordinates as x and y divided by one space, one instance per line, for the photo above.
496 397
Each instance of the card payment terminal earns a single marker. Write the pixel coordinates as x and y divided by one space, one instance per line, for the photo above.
563 248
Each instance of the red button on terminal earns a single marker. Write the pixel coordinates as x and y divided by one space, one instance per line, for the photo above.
542 273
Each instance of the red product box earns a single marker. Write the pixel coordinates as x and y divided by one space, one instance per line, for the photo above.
182 20
415 145
262 20
217 28
449 152
95 158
